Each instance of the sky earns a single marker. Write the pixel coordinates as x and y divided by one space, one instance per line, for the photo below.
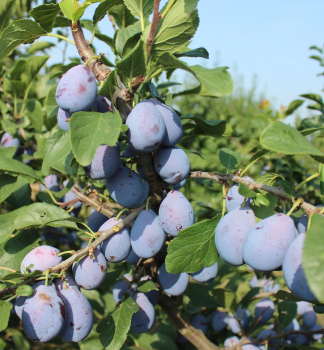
262 42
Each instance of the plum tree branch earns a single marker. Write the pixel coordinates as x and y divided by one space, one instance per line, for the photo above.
155 21
309 209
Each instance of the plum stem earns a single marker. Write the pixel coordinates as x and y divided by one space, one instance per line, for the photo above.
120 213
306 180
66 252
91 58
46 277
147 203
296 204
224 200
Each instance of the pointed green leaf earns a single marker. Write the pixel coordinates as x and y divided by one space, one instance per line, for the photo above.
10 184
78 12
313 258
146 286
22 31
102 10
39 46
24 290
45 15
15 167
199 52
122 15
51 105
7 225
245 191
15 249
194 248
58 70
134 63
41 214
229 159
58 153
114 328
125 34
293 106
214 128
314 97
109 86
32 68
68 7
89 130
283 138
287 312
5 308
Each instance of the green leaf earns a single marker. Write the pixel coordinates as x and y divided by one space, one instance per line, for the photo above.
35 114
123 35
229 159
194 248
176 28
5 13
313 257
41 214
249 296
39 46
22 31
202 295
5 308
146 286
58 153
319 309
7 152
309 131
199 52
7 225
9 127
45 15
134 63
215 82
109 86
32 68
102 10
15 167
166 85
314 97
16 248
68 7
139 8
287 312
114 328
287 187
89 130
214 128
283 295
245 191
10 184
257 155
51 105
106 39
122 15
58 70
78 12
293 106
226 298
283 138
24 290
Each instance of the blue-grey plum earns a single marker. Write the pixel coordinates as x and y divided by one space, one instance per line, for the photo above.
76 90
8 140
172 284
102 104
315 336
28 152
179 185
250 347
43 314
132 258
309 318
95 220
121 287
90 273
152 295
200 322
78 313
144 318
206 274
116 248
20 300
146 190
146 127
174 130
265 245
233 324
269 333
293 326
230 234
41 257
147 236
293 271
51 181
218 320
104 163
270 287
176 213
264 307
231 341
63 119
129 153
173 166
234 199
243 315
125 187
302 306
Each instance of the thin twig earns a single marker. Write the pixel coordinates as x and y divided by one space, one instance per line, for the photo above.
155 21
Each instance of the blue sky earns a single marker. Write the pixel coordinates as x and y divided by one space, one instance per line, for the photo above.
269 40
